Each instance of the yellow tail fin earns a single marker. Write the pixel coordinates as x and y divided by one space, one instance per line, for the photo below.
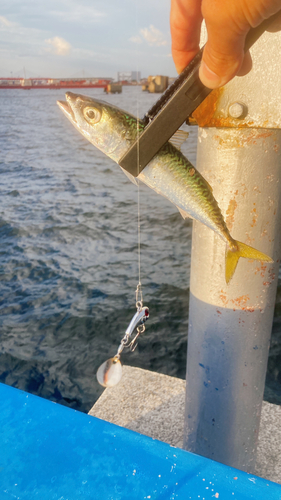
232 257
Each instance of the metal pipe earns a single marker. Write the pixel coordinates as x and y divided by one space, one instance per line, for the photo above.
230 325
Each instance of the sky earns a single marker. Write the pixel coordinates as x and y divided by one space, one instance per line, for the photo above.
70 38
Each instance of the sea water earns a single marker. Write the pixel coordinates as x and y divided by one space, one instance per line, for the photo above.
69 256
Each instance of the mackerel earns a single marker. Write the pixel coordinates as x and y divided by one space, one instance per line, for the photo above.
169 173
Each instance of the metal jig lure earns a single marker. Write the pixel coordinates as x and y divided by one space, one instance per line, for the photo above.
110 372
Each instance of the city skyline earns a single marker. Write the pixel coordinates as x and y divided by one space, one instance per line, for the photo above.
64 38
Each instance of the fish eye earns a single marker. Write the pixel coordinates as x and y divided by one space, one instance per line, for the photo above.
92 115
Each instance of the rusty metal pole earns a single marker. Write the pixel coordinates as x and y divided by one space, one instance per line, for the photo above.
239 153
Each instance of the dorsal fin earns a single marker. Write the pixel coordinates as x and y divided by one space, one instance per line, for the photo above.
179 138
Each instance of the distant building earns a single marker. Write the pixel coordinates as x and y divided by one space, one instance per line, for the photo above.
157 83
129 76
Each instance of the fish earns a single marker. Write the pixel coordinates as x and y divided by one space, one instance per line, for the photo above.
169 173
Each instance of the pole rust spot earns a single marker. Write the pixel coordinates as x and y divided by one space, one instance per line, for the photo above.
205 113
211 114
208 114
230 213
241 302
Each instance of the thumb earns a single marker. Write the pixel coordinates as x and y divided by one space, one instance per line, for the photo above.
223 54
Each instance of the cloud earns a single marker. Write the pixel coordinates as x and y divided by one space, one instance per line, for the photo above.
4 20
135 39
153 36
59 46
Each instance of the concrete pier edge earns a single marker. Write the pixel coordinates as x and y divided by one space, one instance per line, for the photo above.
153 404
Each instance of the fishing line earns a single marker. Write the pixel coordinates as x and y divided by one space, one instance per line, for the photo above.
110 372
139 287
139 295
138 153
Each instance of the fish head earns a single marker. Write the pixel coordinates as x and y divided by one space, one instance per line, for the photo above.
107 127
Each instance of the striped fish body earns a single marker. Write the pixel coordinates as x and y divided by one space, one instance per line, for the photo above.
172 175
169 173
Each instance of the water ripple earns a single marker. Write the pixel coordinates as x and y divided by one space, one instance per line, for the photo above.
69 266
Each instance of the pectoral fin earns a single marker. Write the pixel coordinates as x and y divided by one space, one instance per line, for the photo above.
130 176
184 214
179 138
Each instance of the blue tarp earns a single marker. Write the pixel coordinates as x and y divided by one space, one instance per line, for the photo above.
48 451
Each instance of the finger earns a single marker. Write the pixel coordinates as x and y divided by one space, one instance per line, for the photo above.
220 64
228 24
223 55
246 66
276 24
185 22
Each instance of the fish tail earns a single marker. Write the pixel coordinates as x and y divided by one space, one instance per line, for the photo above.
232 257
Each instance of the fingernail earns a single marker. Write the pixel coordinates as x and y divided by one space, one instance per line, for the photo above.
208 77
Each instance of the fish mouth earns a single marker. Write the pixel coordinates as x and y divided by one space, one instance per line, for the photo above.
72 102
67 110
68 106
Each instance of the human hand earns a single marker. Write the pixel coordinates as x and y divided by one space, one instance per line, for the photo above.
227 22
